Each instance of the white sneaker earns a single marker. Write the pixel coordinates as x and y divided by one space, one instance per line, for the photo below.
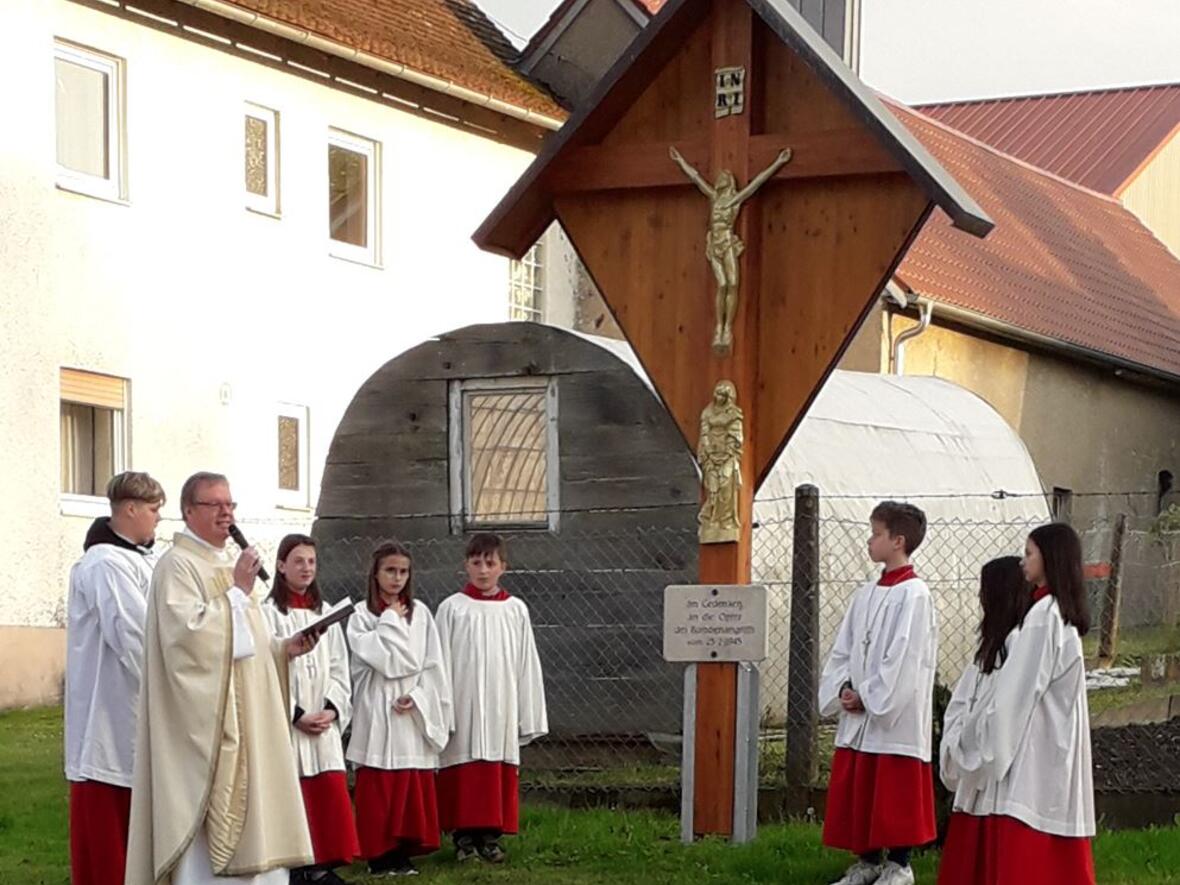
861 873
893 873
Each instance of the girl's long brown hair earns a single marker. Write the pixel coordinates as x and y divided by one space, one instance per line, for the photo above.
1004 596
1061 552
390 548
280 594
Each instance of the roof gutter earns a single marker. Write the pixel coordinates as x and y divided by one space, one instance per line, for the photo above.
368 60
925 314
1121 365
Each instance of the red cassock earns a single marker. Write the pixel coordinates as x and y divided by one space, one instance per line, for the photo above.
999 850
99 817
396 809
479 796
329 818
878 801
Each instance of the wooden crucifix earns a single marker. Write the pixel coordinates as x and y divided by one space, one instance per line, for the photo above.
832 191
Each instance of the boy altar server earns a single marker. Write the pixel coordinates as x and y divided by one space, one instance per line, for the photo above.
880 678
104 660
499 704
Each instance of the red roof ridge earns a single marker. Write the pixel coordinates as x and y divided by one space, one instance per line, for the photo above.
1066 93
951 130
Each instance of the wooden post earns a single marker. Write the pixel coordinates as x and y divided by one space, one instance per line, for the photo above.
803 658
1063 505
1109 637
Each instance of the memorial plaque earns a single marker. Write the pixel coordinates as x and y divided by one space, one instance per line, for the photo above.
715 622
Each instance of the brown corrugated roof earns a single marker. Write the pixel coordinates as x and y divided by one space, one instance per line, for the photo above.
1098 139
1063 261
449 39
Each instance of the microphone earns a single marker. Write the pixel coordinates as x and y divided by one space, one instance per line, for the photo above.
240 540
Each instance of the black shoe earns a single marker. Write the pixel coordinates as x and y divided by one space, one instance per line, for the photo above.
491 851
465 849
328 878
405 868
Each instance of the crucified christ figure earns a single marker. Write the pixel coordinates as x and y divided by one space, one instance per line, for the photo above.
722 244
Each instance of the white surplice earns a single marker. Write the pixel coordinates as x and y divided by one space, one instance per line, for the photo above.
496 679
317 677
104 662
394 658
1032 737
887 647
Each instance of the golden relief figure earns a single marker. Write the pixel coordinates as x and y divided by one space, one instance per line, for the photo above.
719 453
722 245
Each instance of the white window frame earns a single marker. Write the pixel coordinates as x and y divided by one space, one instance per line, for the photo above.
370 254
535 258
74 503
458 433
113 188
269 204
294 499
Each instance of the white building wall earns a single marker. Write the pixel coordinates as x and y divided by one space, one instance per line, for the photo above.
186 293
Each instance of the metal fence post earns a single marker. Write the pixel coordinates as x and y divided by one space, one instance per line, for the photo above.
803 656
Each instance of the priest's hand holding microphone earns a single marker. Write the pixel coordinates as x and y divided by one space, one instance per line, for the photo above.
246 569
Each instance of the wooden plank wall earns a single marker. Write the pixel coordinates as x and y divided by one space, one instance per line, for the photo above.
594 588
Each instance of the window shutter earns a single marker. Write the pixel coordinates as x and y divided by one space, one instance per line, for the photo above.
91 389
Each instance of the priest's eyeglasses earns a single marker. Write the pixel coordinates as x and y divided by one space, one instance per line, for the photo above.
231 506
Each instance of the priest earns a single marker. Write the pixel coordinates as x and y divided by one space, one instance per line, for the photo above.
216 797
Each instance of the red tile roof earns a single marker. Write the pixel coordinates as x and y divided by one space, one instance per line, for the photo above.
1063 261
449 39
1098 139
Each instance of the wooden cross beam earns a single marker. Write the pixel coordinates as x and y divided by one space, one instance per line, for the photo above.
819 240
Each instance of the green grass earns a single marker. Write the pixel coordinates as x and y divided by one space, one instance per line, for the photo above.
555 846
33 799
1134 643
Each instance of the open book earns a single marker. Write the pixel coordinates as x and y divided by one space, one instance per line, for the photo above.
333 615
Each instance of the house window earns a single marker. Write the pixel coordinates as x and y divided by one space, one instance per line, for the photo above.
292 456
261 150
353 223
504 463
93 431
89 115
526 283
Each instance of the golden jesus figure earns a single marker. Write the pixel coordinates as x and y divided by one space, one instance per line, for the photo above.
722 245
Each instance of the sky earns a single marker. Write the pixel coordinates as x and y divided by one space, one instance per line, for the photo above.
936 50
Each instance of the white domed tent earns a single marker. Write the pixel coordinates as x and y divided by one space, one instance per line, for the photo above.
869 437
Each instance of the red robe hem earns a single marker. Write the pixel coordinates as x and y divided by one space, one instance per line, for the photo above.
99 817
879 801
329 818
1001 850
479 796
396 809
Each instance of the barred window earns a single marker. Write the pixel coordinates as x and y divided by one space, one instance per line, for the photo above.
504 438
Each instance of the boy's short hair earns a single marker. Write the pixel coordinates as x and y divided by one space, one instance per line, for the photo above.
486 543
901 519
132 485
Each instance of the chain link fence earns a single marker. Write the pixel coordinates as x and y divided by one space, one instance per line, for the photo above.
615 705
